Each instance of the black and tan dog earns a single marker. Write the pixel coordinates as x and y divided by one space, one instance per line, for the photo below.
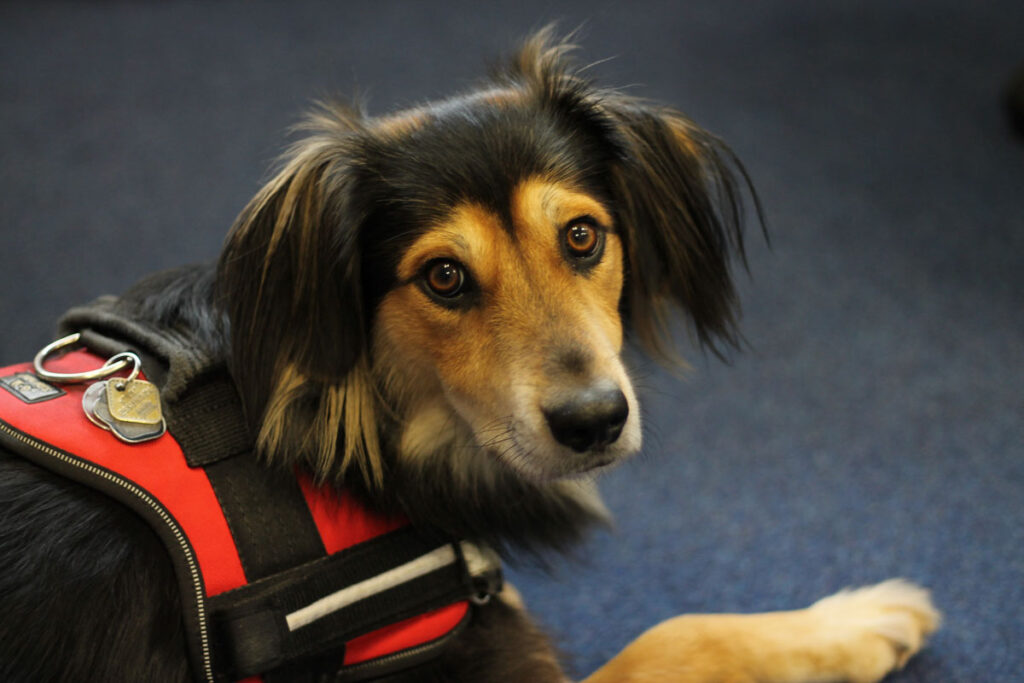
427 310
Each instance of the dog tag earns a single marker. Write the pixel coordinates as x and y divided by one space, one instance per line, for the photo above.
89 399
129 432
133 432
134 400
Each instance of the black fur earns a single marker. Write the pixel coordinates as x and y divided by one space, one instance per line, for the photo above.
88 592
87 589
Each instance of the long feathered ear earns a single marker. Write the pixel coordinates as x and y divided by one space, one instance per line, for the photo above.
677 192
289 281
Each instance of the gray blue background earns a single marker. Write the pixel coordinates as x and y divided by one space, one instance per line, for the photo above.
875 426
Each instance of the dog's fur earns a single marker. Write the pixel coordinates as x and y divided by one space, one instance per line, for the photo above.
351 365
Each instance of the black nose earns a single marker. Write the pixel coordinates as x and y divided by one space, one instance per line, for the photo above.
593 418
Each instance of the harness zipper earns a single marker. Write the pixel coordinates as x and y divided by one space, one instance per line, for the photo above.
193 566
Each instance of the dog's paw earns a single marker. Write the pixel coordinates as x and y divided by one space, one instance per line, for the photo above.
883 625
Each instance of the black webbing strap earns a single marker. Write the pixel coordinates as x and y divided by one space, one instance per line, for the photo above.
206 419
303 612
264 507
267 515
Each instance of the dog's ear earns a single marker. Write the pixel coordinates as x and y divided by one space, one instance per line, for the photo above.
677 192
679 203
289 281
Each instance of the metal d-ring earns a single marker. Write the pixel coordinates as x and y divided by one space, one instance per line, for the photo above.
114 364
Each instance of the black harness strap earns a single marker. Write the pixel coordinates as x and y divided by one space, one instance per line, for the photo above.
264 507
205 440
273 531
267 515
315 608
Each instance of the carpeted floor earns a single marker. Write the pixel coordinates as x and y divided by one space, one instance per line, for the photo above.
875 428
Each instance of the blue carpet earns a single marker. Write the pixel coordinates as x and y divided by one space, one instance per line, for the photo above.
873 429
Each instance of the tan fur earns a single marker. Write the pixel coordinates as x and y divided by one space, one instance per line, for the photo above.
856 636
351 403
483 373
400 124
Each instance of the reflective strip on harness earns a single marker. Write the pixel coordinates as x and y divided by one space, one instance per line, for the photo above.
424 564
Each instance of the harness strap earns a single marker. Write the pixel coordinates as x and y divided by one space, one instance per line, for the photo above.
318 607
204 440
273 530
267 515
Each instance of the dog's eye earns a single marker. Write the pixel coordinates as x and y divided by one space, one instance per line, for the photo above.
583 240
445 277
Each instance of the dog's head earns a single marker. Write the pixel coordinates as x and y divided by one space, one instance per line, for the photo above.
455 282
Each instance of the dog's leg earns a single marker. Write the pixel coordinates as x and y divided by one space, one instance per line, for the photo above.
857 636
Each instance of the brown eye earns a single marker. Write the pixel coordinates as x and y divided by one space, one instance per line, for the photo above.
445 278
581 239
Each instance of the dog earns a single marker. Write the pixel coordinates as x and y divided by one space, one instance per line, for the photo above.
427 310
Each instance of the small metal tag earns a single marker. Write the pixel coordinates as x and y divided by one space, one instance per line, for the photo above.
130 432
136 401
94 403
93 394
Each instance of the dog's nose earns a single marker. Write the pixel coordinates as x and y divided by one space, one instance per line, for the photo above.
593 418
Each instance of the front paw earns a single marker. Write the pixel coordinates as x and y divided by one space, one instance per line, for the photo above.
883 625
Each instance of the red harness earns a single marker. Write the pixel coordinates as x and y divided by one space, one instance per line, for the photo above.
155 480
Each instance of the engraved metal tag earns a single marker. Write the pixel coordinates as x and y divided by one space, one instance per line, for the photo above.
94 403
136 401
